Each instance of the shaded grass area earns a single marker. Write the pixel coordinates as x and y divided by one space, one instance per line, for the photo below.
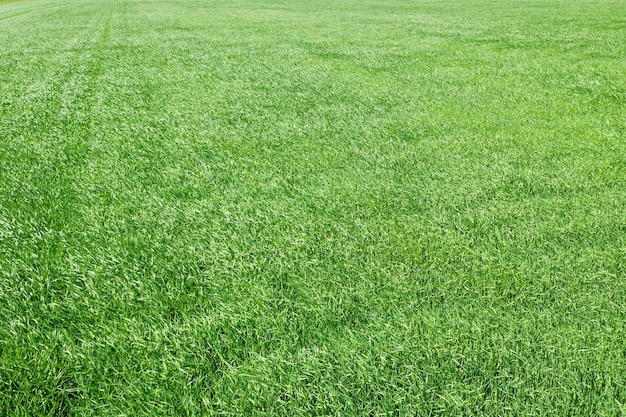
276 208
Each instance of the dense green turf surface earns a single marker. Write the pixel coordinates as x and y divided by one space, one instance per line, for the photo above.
283 207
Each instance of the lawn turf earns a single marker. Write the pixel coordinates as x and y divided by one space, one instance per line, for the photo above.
285 208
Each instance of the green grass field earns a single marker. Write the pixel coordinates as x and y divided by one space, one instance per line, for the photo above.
307 208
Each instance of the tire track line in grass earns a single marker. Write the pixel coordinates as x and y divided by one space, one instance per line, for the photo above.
54 216
79 131
84 127
96 65
56 150
41 127
14 15
39 204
